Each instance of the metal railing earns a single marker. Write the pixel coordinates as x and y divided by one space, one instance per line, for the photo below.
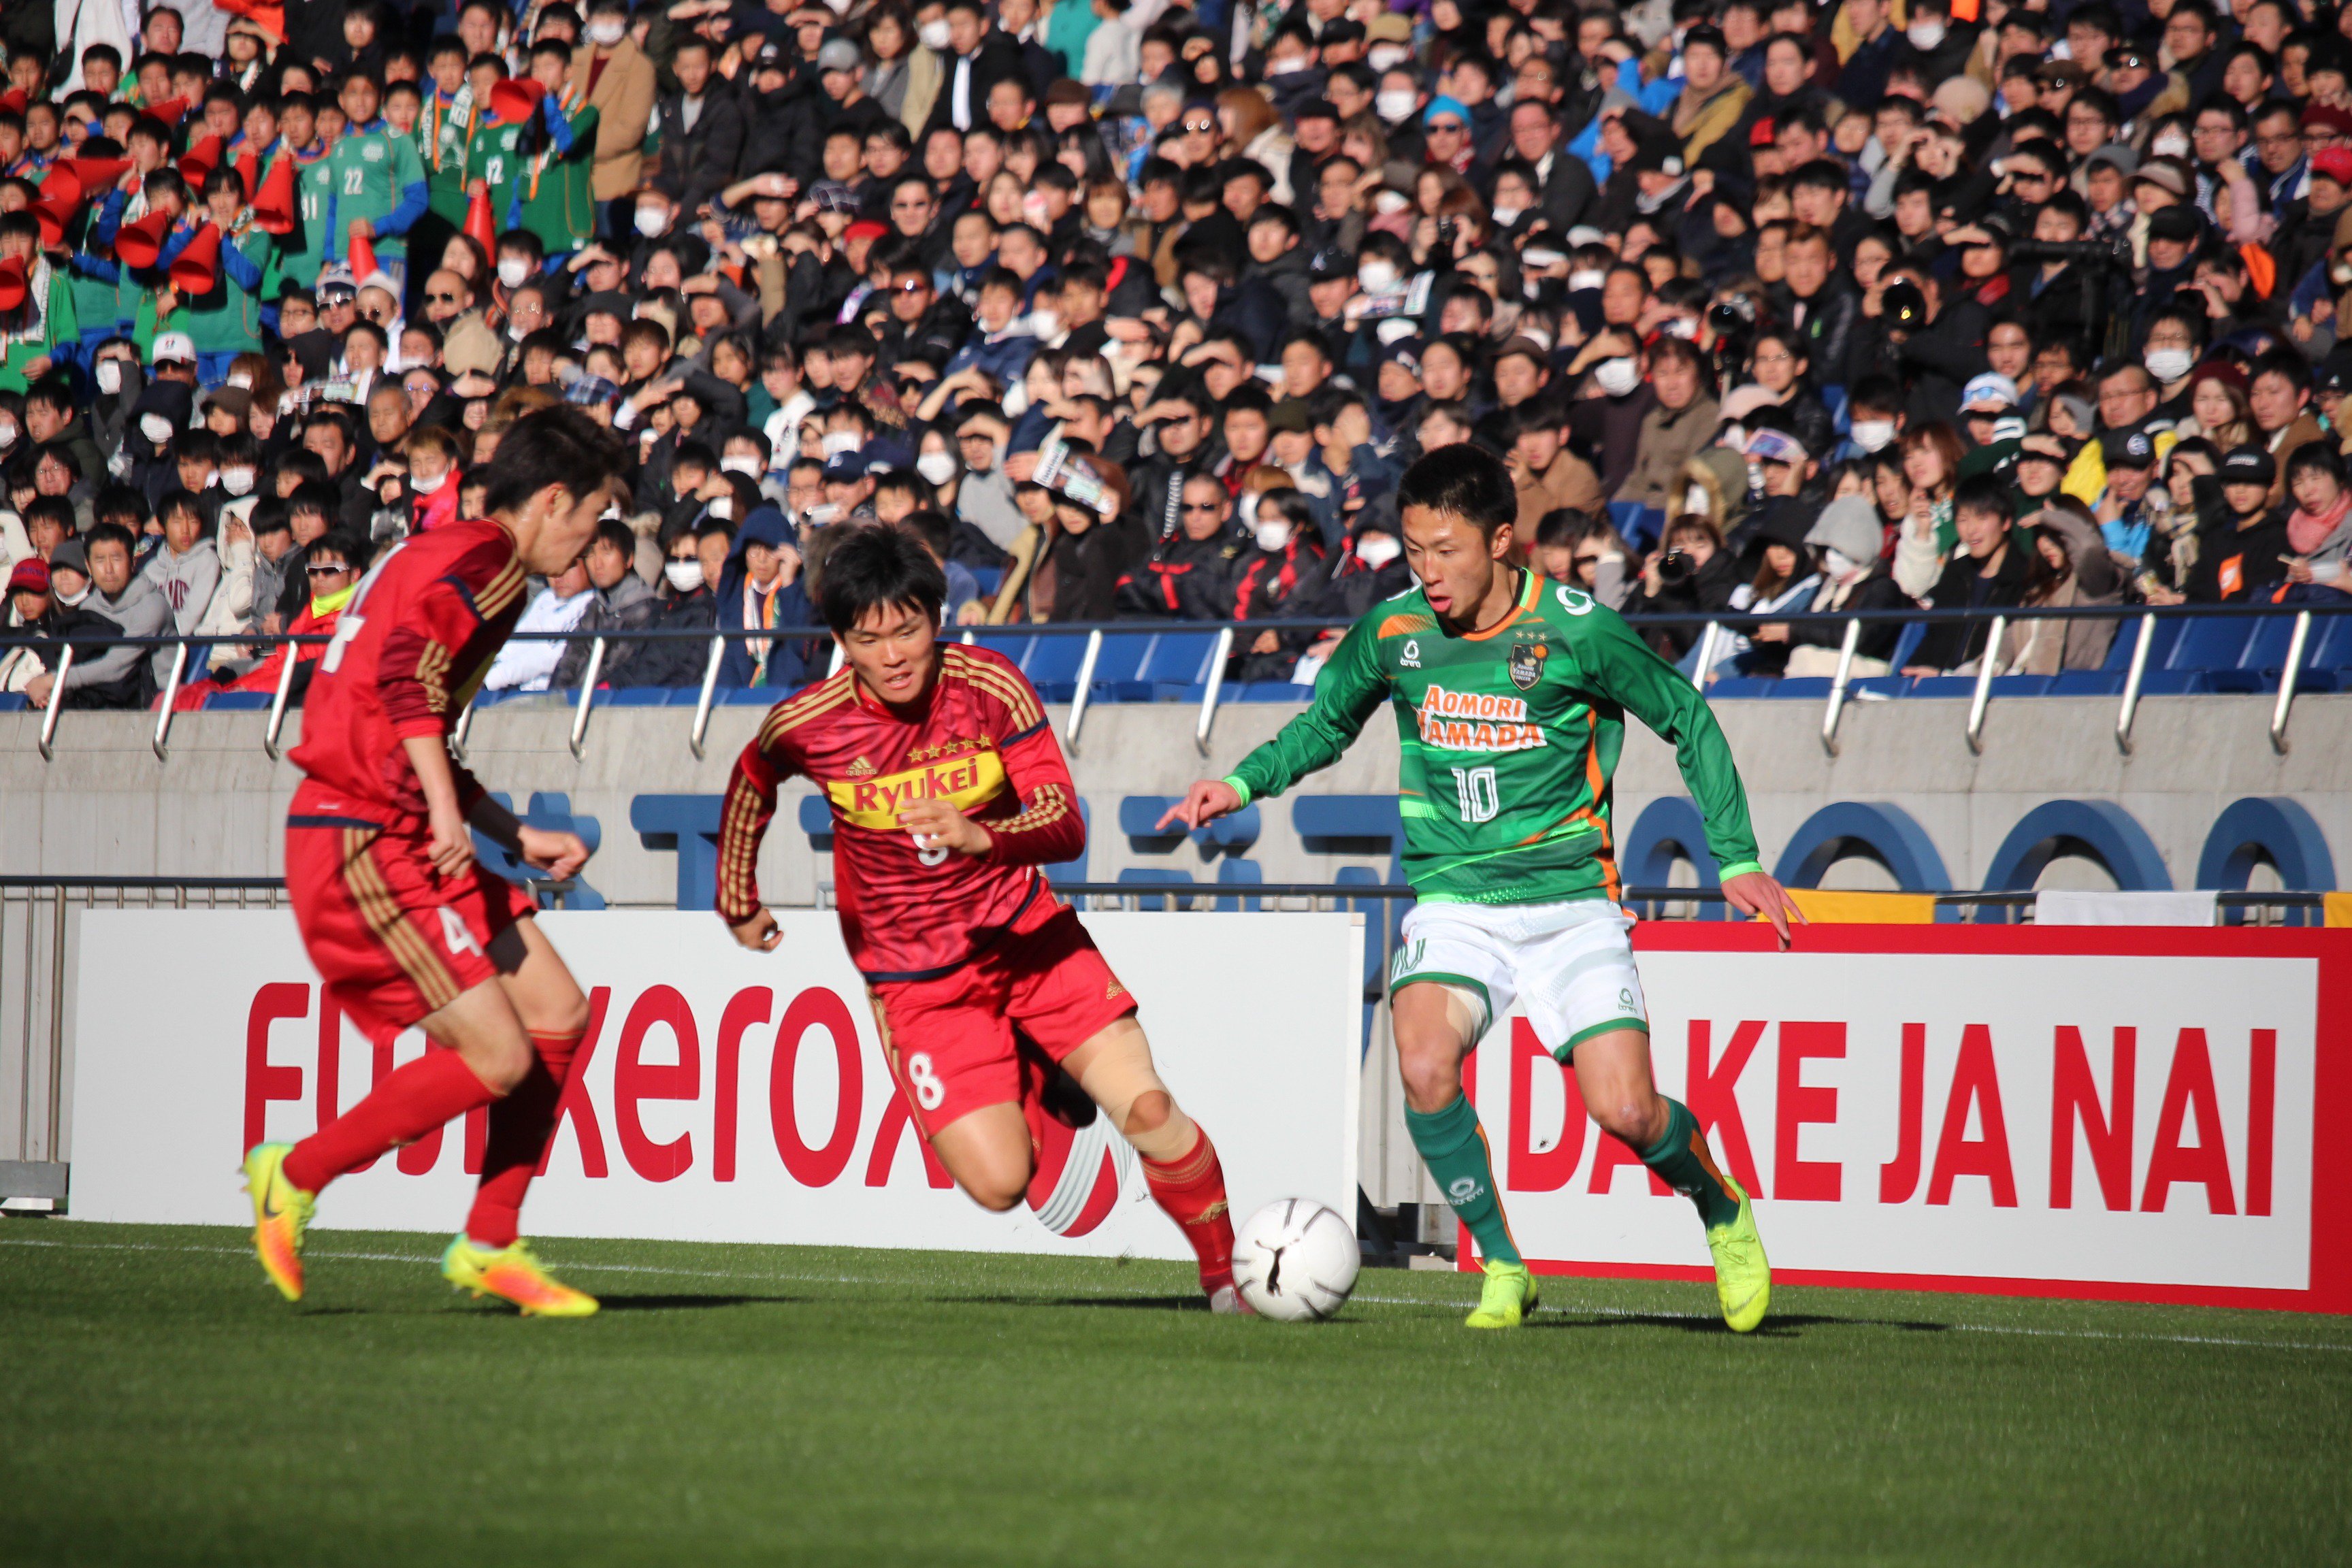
39 955
1713 630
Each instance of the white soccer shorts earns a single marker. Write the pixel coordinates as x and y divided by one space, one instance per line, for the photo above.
1571 964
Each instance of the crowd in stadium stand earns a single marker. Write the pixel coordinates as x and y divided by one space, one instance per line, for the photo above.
1137 310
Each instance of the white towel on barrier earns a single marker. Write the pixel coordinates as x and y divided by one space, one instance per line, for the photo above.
2054 908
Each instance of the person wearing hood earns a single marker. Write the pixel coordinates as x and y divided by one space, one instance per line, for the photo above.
31 668
185 569
162 412
2067 567
1094 537
759 589
81 570
1849 536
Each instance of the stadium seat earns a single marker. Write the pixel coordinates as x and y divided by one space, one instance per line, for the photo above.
1351 824
1176 669
1051 663
1833 398
1155 875
1014 643
2086 683
1074 870
2264 661
1960 686
1118 669
1637 524
1730 686
1138 819
1269 691
817 821
738 695
12 703
1239 873
1803 687
234 701
1907 643
1875 686
989 578
688 824
642 696
2210 643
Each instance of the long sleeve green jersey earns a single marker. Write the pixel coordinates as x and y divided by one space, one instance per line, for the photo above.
1509 738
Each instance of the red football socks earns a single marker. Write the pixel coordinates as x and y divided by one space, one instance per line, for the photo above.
434 1088
1191 1189
521 1125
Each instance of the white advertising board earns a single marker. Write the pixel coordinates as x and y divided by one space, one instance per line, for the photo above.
2065 1111
728 1096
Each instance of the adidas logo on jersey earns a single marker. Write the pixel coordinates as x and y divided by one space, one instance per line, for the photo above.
861 768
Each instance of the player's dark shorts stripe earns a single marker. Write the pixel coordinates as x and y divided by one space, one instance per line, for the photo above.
372 895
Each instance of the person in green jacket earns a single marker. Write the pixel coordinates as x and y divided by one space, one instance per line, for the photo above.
1510 693
298 254
225 320
41 330
378 188
556 197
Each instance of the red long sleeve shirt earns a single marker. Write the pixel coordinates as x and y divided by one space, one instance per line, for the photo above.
979 739
408 653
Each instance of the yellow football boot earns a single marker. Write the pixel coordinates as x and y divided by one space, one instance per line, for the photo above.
281 1213
1743 1279
1506 1298
513 1274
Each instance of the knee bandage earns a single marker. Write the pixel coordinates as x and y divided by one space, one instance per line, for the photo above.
1122 1080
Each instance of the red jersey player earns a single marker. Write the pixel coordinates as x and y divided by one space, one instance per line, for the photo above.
405 926
949 793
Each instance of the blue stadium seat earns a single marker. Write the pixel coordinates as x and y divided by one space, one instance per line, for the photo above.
1962 686
1156 875
990 579
1639 525
1241 873
2263 659
1730 686
738 695
1074 870
2160 648
2331 644
2209 643
1806 687
1138 819
2087 683
1833 398
1119 668
1269 691
817 821
223 701
1907 643
12 703
1177 668
1875 686
1051 663
642 696
1012 642
2020 685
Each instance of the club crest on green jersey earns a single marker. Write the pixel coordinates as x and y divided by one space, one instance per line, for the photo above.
1528 663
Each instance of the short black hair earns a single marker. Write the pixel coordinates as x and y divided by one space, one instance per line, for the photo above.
1985 495
1465 481
559 446
348 543
880 568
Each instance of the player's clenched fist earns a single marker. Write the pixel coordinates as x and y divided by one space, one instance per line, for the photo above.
1206 801
759 933
559 855
938 825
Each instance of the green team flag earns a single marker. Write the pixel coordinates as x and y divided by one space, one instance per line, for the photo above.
1509 738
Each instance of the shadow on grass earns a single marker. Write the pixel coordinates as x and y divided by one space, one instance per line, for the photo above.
1116 1303
691 1303
1790 1325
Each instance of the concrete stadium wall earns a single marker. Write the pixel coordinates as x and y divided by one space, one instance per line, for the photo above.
107 806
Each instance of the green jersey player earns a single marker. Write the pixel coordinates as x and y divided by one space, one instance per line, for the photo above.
1510 694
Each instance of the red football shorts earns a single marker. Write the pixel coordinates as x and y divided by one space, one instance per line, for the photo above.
392 938
950 1041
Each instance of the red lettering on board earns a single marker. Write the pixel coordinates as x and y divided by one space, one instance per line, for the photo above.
1550 1170
816 1007
896 1122
1976 1081
748 1006
2074 1099
1798 1103
1899 1177
2262 1110
2206 1163
263 1083
635 1079
1711 1092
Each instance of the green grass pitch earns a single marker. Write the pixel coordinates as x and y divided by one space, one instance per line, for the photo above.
159 1405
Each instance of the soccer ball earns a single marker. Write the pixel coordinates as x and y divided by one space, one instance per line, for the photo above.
1295 1261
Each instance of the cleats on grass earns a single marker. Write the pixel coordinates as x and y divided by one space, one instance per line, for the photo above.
513 1274
1743 1279
281 1213
1506 1298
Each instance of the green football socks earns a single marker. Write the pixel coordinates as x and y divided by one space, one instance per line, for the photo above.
1676 1158
1454 1147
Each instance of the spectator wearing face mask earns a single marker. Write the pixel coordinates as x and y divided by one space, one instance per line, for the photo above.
620 85
102 560
1189 572
1848 535
1283 576
50 601
759 590
683 603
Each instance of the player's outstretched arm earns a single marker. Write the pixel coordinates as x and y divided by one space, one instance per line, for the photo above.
1755 893
1206 801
